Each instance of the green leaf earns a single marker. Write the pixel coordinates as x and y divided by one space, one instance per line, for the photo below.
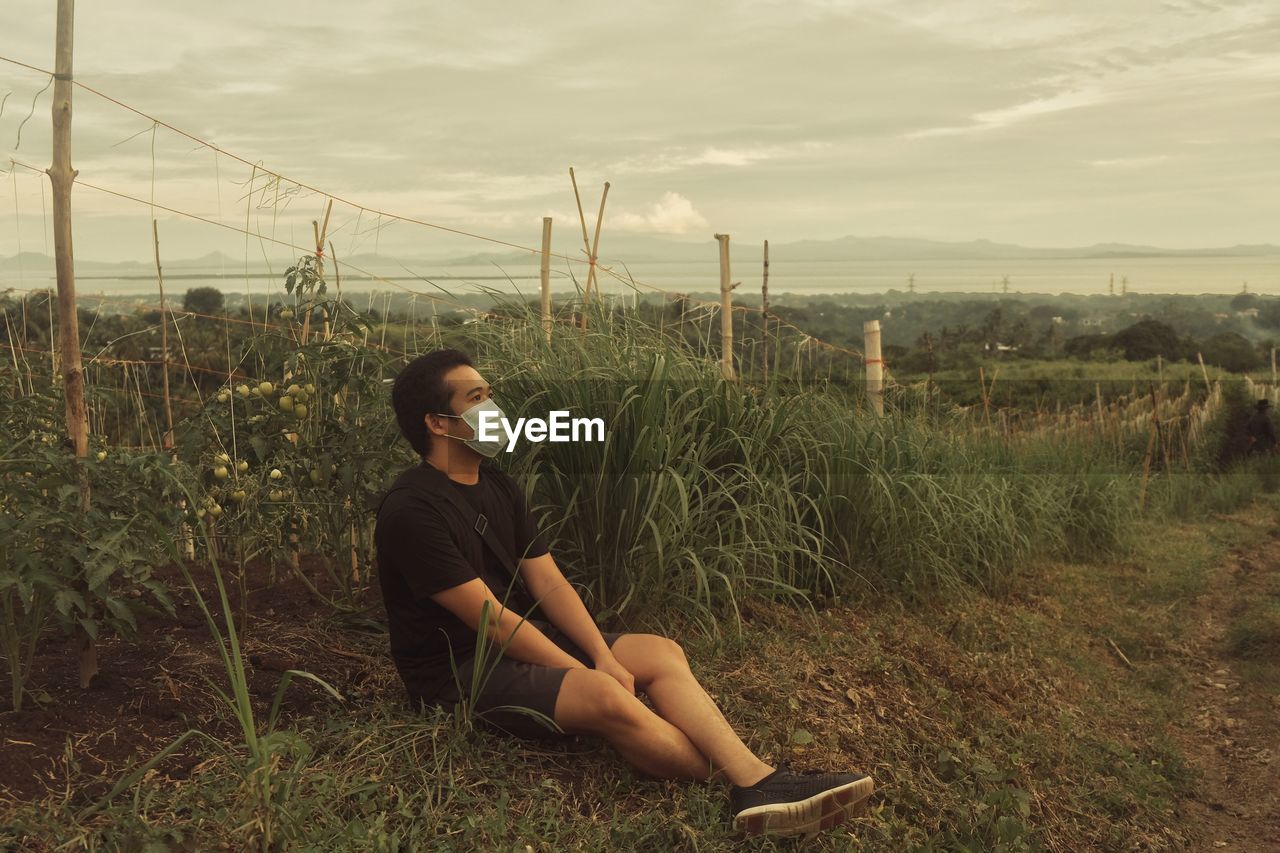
801 736
120 609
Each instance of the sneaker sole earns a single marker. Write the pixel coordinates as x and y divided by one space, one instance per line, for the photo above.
820 812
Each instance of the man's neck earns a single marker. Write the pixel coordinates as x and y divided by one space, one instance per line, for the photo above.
462 465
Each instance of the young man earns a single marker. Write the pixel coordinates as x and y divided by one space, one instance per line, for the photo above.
439 562
1261 431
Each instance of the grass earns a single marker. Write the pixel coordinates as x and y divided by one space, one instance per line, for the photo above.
966 660
988 724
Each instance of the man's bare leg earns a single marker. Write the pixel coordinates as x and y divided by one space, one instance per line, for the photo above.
662 672
593 703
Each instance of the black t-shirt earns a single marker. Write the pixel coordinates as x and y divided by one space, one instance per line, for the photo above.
1261 427
425 546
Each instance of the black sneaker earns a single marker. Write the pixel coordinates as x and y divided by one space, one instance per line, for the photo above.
787 803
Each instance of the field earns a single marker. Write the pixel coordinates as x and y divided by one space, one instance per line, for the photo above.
983 606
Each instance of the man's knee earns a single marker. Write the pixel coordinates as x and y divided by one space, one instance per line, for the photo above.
594 702
668 659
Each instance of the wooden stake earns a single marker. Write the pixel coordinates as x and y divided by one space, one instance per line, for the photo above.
595 242
726 310
764 314
62 177
337 281
590 248
875 365
167 441
320 231
546 277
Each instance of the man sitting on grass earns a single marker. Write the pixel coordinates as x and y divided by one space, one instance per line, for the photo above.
438 563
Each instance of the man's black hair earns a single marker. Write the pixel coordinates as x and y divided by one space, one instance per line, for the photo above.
420 389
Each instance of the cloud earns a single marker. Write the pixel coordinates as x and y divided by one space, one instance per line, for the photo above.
672 214
1005 116
1130 162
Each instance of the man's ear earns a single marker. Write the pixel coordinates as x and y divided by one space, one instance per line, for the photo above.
435 424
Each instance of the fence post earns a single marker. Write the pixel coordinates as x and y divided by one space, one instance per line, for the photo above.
62 177
875 365
167 441
546 277
726 310
764 317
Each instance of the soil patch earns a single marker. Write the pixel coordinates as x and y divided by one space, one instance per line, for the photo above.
153 687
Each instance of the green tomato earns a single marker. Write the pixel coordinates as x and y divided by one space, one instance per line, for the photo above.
275 474
265 388
242 390
215 511
309 388
223 396
285 403
293 390
238 496
102 454
286 314
276 495
221 472
316 476
242 466
222 457
300 411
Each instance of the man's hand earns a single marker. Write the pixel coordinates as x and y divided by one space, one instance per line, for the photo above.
610 664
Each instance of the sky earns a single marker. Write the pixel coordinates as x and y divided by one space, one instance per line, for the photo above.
1038 123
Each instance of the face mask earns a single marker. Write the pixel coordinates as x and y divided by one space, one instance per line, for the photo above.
471 417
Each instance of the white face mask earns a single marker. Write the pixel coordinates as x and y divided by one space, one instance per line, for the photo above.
471 417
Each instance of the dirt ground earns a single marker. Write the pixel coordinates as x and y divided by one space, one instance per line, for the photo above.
152 688
1235 742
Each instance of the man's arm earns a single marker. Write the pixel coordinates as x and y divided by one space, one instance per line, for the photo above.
566 611
563 606
528 643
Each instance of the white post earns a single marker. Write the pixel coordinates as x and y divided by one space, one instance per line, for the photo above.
726 310
875 365
546 277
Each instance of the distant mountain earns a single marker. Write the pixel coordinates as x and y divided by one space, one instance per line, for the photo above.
907 248
639 248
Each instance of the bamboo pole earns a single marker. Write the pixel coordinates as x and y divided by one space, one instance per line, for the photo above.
545 275
764 315
337 282
167 441
61 178
875 365
726 310
589 247
595 242
320 231
986 403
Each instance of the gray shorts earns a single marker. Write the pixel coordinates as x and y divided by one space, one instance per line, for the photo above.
517 683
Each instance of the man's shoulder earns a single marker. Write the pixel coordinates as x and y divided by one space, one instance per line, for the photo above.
409 492
501 479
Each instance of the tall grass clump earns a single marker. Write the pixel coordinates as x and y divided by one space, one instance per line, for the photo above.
706 491
690 501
